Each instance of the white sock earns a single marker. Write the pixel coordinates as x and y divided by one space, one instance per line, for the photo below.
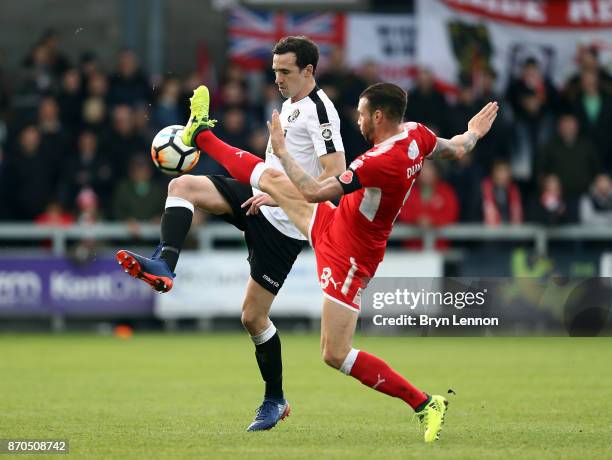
258 170
177 202
347 365
264 336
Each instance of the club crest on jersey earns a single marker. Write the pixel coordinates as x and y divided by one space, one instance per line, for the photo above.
326 131
413 150
346 177
291 118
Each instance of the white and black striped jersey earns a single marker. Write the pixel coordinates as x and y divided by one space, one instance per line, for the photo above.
312 129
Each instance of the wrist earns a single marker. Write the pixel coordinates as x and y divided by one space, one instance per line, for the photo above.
472 133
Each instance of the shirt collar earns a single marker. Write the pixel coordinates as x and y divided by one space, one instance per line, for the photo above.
392 139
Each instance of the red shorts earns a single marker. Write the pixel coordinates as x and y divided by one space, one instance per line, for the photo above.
341 276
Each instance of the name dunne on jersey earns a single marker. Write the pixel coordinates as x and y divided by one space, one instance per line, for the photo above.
412 170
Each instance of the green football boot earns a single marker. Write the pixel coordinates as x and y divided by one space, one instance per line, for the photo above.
432 417
198 119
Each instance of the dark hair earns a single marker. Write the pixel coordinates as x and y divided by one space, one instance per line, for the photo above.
388 98
305 50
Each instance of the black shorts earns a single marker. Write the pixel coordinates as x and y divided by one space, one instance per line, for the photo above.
271 253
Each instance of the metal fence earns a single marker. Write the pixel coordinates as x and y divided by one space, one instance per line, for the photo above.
208 234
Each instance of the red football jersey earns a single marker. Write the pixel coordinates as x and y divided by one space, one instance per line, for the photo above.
386 173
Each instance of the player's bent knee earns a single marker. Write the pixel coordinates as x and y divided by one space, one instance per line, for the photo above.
270 178
253 320
201 192
333 357
182 187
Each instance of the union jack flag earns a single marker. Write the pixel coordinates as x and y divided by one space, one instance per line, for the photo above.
253 33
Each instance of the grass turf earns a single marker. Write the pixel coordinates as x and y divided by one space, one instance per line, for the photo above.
192 396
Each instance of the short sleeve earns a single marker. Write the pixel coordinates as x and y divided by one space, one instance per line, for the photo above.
324 129
427 140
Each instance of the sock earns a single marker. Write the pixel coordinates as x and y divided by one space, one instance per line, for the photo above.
239 164
175 224
268 355
377 374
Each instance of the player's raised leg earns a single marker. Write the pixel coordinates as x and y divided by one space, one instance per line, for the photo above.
184 194
337 328
244 166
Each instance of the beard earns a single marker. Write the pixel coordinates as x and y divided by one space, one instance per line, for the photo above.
368 133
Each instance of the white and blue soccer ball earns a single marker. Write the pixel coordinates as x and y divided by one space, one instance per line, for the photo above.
169 153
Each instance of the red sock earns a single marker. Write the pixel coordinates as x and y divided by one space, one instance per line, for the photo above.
239 164
377 374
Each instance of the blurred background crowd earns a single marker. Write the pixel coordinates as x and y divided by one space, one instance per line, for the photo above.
75 137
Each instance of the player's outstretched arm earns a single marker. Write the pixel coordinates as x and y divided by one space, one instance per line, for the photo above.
313 190
462 144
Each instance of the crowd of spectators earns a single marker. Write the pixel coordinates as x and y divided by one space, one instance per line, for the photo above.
75 138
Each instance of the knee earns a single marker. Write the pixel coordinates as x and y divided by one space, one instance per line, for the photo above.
333 356
252 320
270 177
182 187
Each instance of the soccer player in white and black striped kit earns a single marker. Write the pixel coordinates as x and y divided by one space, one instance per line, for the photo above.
312 131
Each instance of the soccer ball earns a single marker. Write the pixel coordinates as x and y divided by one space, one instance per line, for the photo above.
169 153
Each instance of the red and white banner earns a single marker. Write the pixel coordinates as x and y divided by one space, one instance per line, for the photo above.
538 13
457 36
387 40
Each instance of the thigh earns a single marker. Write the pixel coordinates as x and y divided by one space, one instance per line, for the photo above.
337 326
202 192
271 253
257 299
279 186
234 194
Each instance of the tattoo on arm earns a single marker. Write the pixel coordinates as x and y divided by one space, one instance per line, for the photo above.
454 148
304 182
444 149
470 141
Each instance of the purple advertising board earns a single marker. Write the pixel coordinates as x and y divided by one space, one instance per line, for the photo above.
41 286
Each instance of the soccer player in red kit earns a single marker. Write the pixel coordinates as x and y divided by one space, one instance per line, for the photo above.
350 240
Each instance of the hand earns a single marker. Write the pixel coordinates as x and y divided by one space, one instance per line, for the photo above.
256 202
482 121
277 135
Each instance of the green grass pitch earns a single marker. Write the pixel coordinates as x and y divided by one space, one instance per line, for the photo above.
192 396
